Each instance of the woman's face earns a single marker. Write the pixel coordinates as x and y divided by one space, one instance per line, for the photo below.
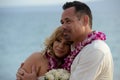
61 47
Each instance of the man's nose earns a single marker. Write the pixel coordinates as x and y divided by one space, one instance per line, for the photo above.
64 26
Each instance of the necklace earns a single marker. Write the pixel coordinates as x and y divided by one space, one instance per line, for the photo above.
54 63
91 37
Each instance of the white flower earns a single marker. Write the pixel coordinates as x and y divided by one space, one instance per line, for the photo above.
57 74
65 77
49 77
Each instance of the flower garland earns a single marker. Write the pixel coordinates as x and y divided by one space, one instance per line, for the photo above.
95 35
52 61
91 37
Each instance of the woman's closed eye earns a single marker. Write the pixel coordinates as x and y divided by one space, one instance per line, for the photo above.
68 43
58 40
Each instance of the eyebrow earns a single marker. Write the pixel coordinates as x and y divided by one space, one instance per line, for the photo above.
65 20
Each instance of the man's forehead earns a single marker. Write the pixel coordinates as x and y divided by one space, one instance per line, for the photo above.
69 11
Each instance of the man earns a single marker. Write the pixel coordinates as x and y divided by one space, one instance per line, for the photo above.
90 57
93 61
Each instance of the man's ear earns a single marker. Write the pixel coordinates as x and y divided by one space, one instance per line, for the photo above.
85 20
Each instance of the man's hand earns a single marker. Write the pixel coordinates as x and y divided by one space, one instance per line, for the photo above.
22 75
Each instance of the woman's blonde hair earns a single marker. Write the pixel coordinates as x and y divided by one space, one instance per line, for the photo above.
55 35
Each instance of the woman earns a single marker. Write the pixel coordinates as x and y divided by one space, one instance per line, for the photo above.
57 48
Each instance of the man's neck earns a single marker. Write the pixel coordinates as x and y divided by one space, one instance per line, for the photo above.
82 38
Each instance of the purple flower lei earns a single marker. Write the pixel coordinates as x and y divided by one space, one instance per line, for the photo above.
52 61
95 35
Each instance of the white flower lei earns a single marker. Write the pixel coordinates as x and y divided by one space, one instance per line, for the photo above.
57 74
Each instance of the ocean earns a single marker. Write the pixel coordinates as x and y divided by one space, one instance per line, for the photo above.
23 31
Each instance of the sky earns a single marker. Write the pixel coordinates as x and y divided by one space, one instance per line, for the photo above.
14 3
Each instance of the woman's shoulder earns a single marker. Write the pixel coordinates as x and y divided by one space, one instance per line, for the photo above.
36 56
33 59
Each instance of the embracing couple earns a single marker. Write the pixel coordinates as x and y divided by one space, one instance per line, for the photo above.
73 47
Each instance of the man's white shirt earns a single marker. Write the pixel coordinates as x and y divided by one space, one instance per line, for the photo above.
93 62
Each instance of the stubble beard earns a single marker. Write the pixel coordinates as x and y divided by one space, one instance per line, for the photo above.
67 37
66 34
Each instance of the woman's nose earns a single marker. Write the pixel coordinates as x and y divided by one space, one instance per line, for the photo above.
61 45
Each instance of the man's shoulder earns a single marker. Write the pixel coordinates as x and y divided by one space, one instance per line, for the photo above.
98 45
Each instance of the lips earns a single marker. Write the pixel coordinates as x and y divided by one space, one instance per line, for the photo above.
60 51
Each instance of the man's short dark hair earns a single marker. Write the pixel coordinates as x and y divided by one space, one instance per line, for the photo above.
81 8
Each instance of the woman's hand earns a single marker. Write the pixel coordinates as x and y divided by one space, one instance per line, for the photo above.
22 75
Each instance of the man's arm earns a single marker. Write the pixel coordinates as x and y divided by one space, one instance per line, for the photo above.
28 69
22 75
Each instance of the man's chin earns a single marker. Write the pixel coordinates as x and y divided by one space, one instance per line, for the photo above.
67 37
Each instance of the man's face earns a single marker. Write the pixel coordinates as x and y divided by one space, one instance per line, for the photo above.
72 26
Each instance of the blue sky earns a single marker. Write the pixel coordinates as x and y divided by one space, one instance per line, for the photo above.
14 3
